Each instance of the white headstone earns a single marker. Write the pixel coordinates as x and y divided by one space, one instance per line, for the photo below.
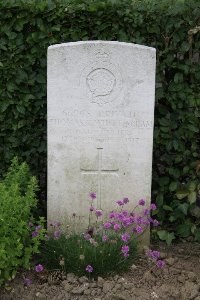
100 125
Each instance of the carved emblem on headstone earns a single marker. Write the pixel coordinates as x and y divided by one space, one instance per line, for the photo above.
101 80
101 83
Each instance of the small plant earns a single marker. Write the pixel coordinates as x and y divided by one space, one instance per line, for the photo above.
106 247
19 237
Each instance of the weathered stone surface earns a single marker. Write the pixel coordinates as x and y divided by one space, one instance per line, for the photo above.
100 126
87 292
190 290
67 286
40 296
107 286
71 278
192 276
170 261
83 279
119 297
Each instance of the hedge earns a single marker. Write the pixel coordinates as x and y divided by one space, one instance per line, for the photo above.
27 28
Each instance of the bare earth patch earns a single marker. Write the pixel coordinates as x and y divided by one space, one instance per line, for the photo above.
180 280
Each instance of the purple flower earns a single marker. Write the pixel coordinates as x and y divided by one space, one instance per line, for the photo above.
139 220
98 213
27 281
156 254
138 229
150 220
87 236
153 254
125 200
146 212
141 202
160 264
117 227
127 222
93 195
146 222
55 224
107 225
153 206
132 219
104 238
57 234
155 222
34 234
89 269
120 202
39 268
125 249
125 254
38 227
111 215
113 222
91 208
120 217
125 237
125 213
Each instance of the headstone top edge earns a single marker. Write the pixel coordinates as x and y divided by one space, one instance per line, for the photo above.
100 42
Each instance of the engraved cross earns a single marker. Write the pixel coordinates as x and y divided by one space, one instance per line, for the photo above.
99 171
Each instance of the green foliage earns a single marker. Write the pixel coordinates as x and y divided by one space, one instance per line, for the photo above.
166 236
100 246
168 25
183 214
76 253
17 199
109 246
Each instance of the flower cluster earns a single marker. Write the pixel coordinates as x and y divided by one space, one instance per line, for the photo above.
123 220
39 268
122 202
36 231
27 281
57 231
93 195
108 242
125 250
155 256
123 223
89 269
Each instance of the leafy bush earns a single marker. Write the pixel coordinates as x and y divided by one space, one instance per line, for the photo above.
107 247
183 214
17 199
171 26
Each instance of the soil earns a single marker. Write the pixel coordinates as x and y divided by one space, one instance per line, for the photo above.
180 280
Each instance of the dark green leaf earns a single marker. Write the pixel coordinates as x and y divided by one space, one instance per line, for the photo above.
184 230
173 186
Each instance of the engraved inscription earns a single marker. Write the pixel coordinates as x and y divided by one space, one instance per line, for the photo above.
88 139
103 123
99 171
107 125
101 113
